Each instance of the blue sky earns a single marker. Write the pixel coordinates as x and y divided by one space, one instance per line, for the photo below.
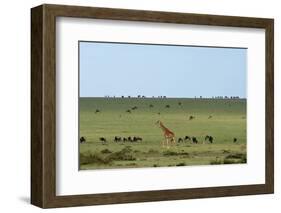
117 69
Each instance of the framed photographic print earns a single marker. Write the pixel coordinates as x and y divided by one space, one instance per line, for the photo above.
136 106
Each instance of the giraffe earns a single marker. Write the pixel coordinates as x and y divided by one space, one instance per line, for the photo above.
168 134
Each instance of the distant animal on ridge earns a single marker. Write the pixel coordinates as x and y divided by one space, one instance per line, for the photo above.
234 140
191 117
82 140
102 139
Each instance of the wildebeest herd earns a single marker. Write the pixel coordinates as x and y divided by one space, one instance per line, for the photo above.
190 139
116 139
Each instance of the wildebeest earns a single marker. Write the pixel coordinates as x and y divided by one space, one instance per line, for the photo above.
125 139
167 106
137 139
187 138
150 105
158 113
180 140
194 140
129 111
102 139
117 139
179 103
97 110
209 138
191 117
82 140
130 139
234 140
133 108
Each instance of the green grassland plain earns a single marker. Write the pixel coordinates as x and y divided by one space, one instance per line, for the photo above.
223 119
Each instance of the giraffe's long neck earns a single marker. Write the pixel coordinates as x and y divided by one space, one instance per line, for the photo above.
162 127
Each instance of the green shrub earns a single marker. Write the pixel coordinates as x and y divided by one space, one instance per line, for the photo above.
172 153
105 151
181 164
124 154
217 161
236 158
152 151
95 158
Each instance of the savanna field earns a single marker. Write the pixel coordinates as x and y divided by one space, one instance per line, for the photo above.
223 119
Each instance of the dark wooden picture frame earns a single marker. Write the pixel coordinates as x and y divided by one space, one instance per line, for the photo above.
43 105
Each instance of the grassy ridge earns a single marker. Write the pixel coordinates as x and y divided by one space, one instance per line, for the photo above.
226 122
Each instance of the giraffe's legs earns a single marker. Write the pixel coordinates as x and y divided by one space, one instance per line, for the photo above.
163 143
167 142
174 140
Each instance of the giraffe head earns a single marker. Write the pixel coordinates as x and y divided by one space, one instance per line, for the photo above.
158 122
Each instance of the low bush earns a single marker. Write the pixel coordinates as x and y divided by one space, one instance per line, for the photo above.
105 151
96 158
181 164
124 154
172 153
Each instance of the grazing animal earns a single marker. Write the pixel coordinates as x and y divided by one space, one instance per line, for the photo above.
129 111
210 117
97 111
117 139
167 106
187 138
191 117
150 105
133 108
180 140
82 140
169 136
135 139
102 139
234 140
209 138
179 103
158 113
194 140
139 139
206 139
125 139
130 139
